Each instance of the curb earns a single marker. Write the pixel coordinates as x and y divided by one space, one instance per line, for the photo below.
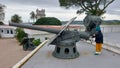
26 58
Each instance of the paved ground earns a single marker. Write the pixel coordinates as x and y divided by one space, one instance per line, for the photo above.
10 52
43 58
108 59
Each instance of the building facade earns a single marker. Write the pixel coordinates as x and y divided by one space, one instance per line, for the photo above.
7 31
40 13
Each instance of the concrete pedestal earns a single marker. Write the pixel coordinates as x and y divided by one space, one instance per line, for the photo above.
66 50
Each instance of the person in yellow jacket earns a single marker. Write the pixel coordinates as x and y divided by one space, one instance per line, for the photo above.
98 40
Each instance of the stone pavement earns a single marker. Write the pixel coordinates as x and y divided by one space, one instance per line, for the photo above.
44 59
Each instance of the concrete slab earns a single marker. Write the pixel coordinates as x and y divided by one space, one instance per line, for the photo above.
44 59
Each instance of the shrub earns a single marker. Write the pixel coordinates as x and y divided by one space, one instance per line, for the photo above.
20 34
48 21
36 42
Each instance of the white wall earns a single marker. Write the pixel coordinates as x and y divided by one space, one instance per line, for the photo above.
7 32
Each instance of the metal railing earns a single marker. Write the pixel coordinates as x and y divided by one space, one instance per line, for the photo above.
105 28
109 29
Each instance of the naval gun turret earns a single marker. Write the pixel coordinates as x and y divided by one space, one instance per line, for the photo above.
65 40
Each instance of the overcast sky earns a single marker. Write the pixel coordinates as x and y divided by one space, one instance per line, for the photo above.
52 8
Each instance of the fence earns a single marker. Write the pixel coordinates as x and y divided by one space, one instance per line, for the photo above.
105 28
110 28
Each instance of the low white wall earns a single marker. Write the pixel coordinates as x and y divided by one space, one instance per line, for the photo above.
7 32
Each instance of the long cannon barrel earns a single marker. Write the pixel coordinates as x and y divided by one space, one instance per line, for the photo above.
84 35
50 30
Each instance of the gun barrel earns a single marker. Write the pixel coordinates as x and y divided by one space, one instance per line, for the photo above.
50 30
84 35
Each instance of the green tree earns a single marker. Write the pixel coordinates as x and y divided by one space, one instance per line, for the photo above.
20 34
48 21
1 23
16 18
93 7
33 16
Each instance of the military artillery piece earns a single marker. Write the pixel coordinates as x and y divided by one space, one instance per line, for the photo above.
65 40
27 43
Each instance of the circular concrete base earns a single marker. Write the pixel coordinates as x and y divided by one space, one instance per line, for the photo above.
66 50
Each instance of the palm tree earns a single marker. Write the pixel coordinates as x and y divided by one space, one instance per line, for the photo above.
33 16
16 18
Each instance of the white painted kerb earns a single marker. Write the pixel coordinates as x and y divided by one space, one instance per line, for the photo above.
26 58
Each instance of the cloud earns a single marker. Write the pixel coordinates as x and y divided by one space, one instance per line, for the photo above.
114 8
52 8
42 3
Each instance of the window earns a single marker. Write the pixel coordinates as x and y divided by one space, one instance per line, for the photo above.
7 31
58 49
2 31
11 31
66 51
74 50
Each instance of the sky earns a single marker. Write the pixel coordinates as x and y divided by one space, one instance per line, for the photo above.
52 9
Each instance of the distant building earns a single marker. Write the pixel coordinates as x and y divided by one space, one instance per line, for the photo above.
2 14
40 13
7 31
